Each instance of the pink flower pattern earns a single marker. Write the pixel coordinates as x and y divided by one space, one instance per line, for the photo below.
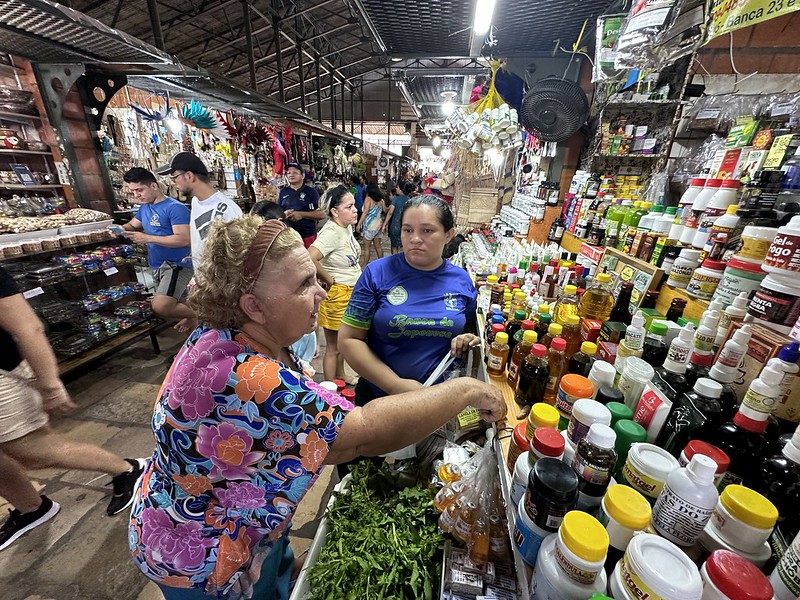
229 449
241 495
180 545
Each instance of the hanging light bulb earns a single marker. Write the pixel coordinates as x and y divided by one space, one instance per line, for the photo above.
436 141
448 106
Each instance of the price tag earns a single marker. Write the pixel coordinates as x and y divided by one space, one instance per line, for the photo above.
32 293
111 271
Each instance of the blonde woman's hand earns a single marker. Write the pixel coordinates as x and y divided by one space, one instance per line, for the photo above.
461 344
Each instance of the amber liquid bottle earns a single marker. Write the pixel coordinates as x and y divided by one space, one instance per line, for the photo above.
479 542
532 377
498 354
557 365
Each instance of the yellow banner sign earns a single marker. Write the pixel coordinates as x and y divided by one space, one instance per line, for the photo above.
729 15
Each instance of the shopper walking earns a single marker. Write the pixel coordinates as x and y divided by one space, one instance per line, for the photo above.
242 434
335 254
371 224
300 202
190 176
395 215
29 389
163 224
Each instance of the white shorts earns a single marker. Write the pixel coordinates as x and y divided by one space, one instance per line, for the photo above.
21 409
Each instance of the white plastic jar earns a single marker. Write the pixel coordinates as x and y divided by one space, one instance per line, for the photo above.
681 272
777 302
783 255
728 576
522 469
634 376
704 281
756 242
740 275
646 469
655 568
584 413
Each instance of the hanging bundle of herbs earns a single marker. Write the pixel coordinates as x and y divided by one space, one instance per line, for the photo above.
382 542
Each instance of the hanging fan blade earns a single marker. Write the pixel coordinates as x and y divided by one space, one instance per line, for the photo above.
554 109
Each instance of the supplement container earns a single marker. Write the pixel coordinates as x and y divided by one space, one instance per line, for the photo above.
608 394
601 375
569 449
546 442
552 492
519 483
652 411
584 413
528 536
647 468
571 388
756 242
742 522
519 444
655 569
619 412
706 449
570 563
785 578
704 281
729 576
624 512
777 302
784 252
740 275
628 433
682 269
631 383
541 415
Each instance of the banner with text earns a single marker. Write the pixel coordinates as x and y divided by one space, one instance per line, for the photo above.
729 15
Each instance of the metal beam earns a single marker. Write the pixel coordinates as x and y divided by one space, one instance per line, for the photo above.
319 89
311 8
248 36
155 24
352 113
205 10
361 87
344 118
347 66
436 72
333 101
277 28
301 74
310 62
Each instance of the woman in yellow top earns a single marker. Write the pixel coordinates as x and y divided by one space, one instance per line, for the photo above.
335 253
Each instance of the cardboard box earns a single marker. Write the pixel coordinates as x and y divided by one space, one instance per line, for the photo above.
607 351
612 331
649 315
590 329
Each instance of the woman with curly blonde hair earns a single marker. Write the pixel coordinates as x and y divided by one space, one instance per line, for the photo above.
242 433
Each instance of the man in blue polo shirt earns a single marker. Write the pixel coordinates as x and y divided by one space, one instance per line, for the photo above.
163 224
300 202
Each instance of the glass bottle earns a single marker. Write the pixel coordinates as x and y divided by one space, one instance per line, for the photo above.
479 542
554 330
692 416
514 325
649 300
566 305
533 374
675 310
521 350
597 301
498 355
465 521
572 333
498 539
557 365
655 349
446 495
581 362
621 311
671 377
447 519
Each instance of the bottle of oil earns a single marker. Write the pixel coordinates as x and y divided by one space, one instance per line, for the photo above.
554 330
597 301
533 375
557 365
498 354
566 305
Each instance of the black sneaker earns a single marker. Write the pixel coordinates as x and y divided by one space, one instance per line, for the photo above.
124 484
18 523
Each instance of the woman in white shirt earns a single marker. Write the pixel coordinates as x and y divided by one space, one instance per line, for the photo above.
336 253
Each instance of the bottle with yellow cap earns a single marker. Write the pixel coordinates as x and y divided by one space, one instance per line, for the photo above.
521 350
493 281
566 305
742 522
519 302
597 301
581 362
498 355
570 563
541 415
553 331
624 512
571 332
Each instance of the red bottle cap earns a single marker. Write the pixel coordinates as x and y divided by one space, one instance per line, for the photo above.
559 344
713 183
736 577
349 394
514 287
731 183
698 182
714 265
701 360
539 350
712 452
520 441
749 424
340 385
527 325
548 441
497 328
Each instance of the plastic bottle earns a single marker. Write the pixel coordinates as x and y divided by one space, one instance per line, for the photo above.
654 351
527 325
681 272
585 413
595 460
597 301
497 327
512 275
628 433
764 391
778 478
521 350
736 312
786 362
624 512
629 221
695 187
566 305
726 575
570 563
693 415
601 375
699 366
744 442
582 361
533 374
633 343
571 332
723 224
706 333
729 399
671 378
633 379
557 364
785 578
614 217
621 311
498 354
685 504
542 325
513 326
553 331
735 348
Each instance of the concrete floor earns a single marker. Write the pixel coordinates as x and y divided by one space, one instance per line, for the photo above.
82 554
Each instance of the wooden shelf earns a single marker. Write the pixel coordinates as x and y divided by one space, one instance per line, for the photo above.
630 156
570 243
34 152
19 186
18 117
106 346
694 307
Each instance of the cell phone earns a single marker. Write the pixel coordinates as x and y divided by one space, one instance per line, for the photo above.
116 229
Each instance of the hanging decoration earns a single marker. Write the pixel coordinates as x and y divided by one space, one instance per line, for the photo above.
149 115
200 117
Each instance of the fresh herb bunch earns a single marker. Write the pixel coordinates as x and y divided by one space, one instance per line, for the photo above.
381 542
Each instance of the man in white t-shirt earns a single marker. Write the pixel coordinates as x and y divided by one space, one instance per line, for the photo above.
190 176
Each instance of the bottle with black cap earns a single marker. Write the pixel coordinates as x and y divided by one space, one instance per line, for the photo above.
608 394
693 415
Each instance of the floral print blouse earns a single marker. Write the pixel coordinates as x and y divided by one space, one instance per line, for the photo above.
240 438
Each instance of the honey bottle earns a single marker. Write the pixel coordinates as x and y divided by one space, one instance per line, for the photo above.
479 542
446 495
462 529
498 539
498 354
448 518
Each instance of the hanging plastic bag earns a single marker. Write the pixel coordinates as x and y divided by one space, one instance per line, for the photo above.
608 30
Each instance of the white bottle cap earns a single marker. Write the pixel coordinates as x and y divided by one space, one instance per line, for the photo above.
710 319
687 333
741 301
716 305
722 374
770 376
708 388
602 436
743 335
792 448
638 319
702 469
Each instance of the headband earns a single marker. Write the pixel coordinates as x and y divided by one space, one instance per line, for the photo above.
257 253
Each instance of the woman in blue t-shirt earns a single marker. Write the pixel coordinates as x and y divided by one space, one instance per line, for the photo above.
410 309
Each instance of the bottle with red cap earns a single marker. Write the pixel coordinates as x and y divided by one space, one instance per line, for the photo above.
496 328
533 375
726 575
699 366
546 443
709 450
557 362
744 442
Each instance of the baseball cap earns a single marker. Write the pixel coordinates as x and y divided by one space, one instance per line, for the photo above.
183 161
294 165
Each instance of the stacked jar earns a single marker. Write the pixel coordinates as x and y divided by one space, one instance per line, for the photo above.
705 280
740 275
682 269
776 303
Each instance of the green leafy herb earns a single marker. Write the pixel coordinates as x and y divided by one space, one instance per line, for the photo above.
382 542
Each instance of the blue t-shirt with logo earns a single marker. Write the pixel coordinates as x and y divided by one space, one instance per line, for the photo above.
306 199
158 219
411 315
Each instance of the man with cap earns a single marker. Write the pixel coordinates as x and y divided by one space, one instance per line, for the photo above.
300 202
190 176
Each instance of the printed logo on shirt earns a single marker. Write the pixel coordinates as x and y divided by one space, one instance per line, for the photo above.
451 302
397 295
154 220
203 222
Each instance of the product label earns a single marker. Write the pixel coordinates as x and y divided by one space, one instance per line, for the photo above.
678 354
498 545
647 407
753 248
590 471
702 286
546 515
704 343
732 285
680 275
564 402
648 486
729 478
634 340
462 529
784 253
494 362
576 431
760 402
678 519
637 588
772 308
513 371
730 357
789 568
572 570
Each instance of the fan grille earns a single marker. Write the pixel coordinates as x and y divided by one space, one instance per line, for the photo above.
554 109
